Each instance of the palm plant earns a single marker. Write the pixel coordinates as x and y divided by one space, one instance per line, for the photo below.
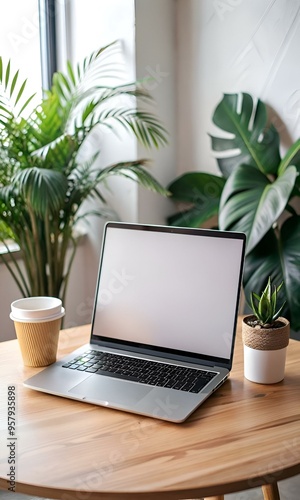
43 179
257 192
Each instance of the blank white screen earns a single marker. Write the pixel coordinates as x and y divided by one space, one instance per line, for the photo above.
177 291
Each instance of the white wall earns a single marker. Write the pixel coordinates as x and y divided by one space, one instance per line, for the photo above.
156 61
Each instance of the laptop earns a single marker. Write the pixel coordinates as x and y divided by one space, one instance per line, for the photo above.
164 322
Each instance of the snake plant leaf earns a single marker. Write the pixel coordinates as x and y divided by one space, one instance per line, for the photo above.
277 255
252 140
202 192
264 304
252 204
43 189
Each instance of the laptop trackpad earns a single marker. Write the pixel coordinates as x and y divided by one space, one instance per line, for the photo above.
107 390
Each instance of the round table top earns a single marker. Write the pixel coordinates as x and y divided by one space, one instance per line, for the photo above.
243 436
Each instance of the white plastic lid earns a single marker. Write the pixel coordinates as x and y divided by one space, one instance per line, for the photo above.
36 309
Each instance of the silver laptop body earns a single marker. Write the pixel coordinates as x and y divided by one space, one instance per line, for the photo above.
166 295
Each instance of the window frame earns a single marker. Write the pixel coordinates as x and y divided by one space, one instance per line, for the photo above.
48 40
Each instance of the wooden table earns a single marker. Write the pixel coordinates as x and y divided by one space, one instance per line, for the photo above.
244 436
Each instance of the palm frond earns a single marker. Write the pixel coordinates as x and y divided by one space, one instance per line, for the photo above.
71 88
133 170
43 189
148 130
58 154
11 92
146 127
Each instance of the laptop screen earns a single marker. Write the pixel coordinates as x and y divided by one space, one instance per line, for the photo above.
169 288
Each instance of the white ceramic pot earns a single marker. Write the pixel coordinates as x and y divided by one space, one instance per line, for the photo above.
265 352
264 367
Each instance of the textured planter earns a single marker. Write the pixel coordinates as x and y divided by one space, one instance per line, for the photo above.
265 352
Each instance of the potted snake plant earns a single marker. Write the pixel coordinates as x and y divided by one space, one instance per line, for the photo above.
265 337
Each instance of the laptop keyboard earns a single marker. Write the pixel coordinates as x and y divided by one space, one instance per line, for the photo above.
142 371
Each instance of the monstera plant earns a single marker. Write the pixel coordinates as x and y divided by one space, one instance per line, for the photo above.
257 193
45 172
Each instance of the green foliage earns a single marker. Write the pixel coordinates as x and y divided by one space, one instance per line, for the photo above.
257 192
43 178
200 192
252 140
264 307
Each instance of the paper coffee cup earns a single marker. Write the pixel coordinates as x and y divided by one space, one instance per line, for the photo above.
37 323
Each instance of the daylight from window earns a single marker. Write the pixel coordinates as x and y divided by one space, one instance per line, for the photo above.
20 41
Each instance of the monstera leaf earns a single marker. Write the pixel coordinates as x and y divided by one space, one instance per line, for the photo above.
278 256
250 141
251 203
257 193
201 193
